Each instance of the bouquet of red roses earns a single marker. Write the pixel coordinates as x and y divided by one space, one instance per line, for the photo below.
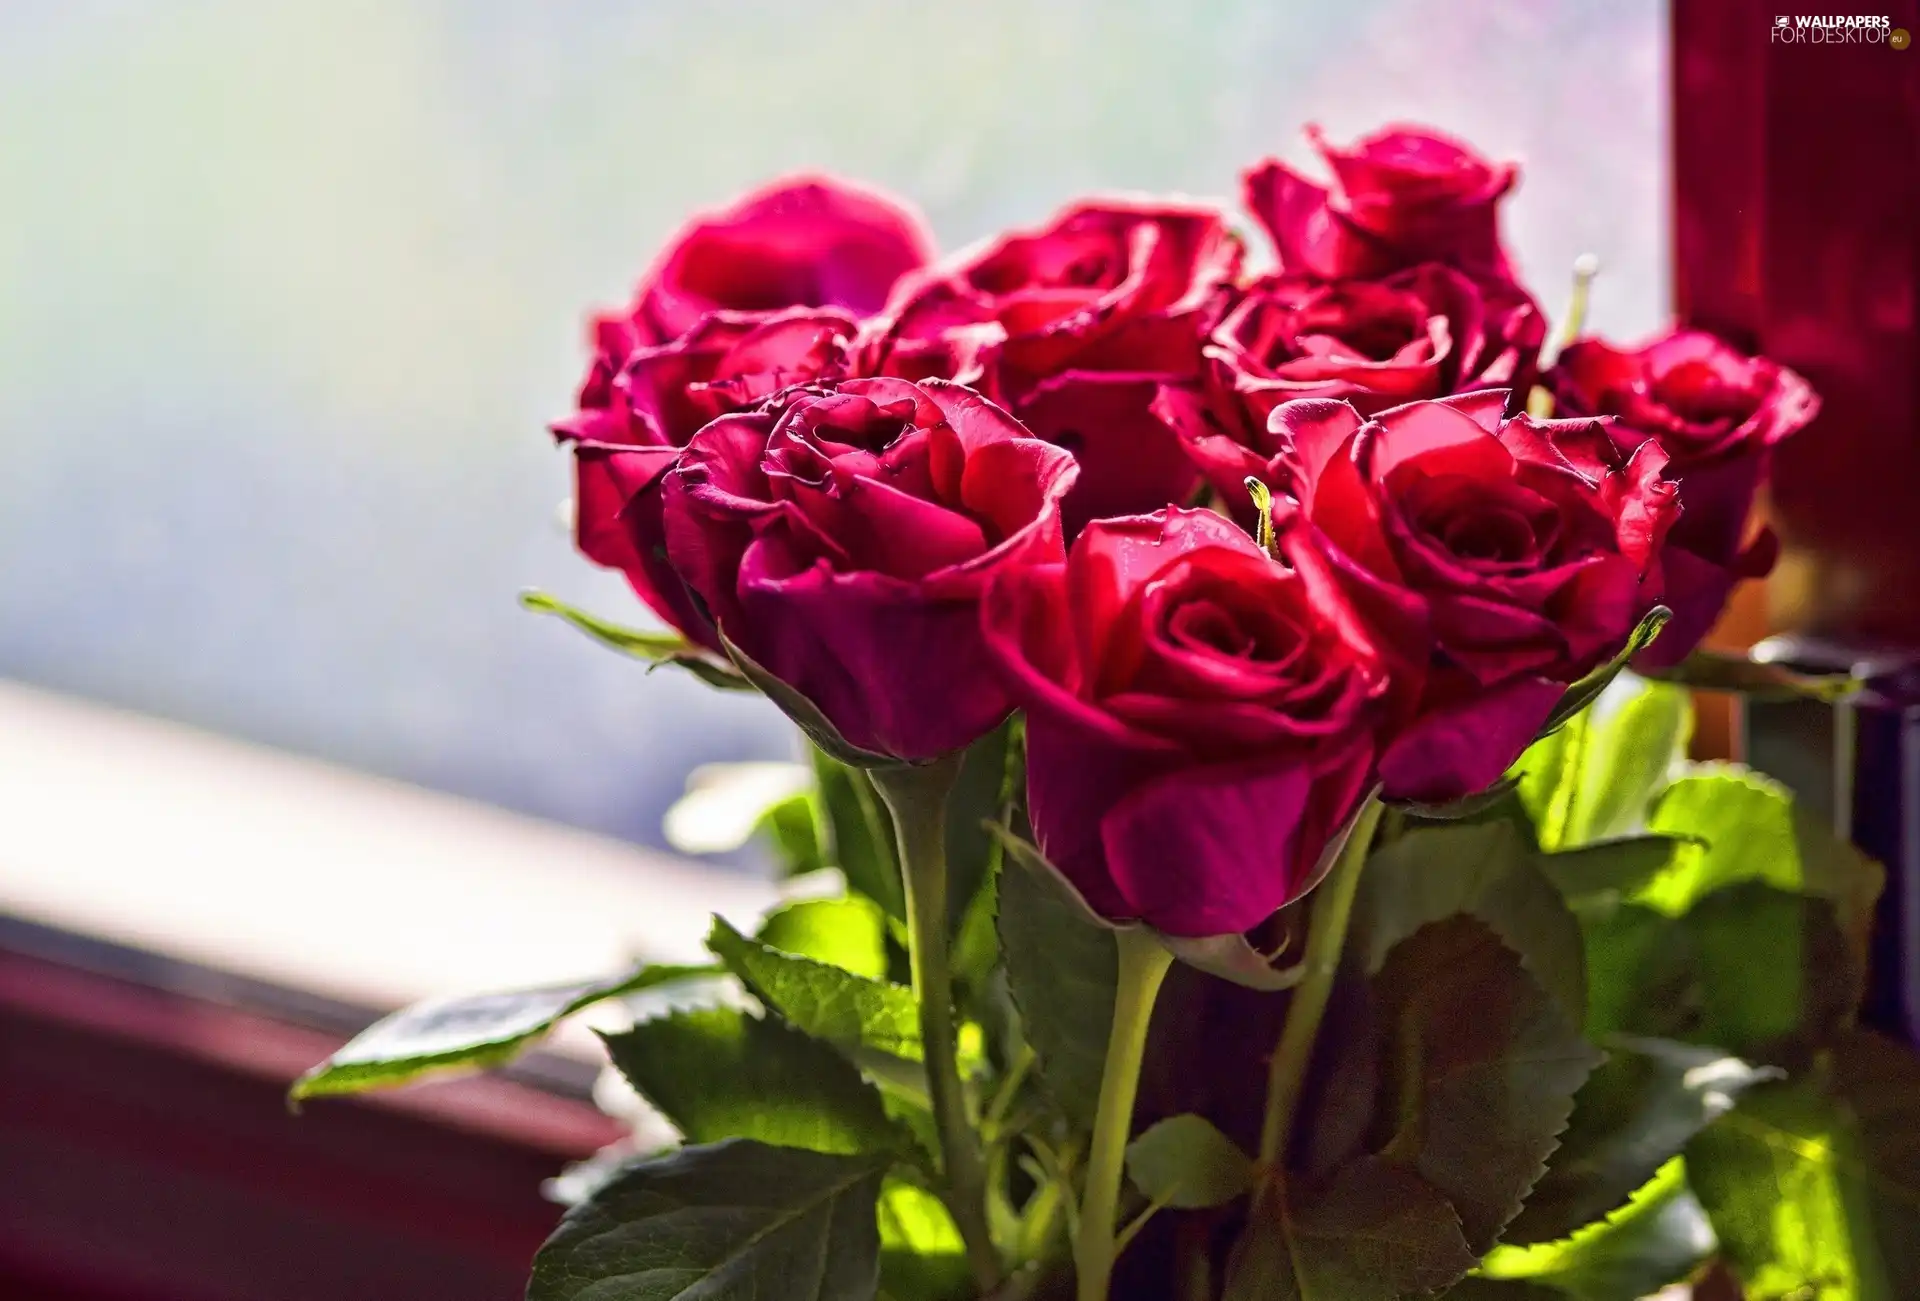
1259 878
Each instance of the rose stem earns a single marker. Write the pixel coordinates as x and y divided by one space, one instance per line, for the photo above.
916 796
1326 938
1143 964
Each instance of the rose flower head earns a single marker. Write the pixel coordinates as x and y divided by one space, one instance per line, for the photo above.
1718 414
1200 717
841 535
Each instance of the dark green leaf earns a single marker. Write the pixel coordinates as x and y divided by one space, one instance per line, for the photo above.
921 1255
1772 969
655 647
1482 1070
720 1073
849 933
826 1002
735 1221
1641 977
475 1030
1659 1238
860 837
1375 1232
1062 969
1814 1185
1635 1113
805 714
978 799
1588 689
1706 670
1467 806
1185 1163
1503 1289
1599 876
1486 871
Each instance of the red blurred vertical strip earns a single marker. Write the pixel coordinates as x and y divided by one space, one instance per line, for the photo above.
1797 231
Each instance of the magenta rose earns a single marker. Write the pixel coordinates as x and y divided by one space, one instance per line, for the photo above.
1718 414
1403 196
842 534
1199 717
631 426
802 241
1498 568
1421 333
1075 328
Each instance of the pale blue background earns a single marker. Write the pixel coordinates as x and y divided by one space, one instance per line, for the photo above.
288 291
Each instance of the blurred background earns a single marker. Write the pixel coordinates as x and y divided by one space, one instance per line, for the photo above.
289 291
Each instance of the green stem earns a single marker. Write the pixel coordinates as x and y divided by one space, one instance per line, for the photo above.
1326 938
1143 964
916 796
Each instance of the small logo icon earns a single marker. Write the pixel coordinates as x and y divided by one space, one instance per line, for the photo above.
1899 39
1780 21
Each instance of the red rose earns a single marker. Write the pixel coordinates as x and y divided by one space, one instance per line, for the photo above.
630 428
1718 414
1074 328
842 534
802 241
1421 333
1501 569
1404 196
1199 717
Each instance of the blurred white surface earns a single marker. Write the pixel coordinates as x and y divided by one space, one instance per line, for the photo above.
306 875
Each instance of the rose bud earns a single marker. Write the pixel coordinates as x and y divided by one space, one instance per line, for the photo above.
841 536
1500 570
1200 717
1422 333
629 429
1718 414
1074 328
1401 197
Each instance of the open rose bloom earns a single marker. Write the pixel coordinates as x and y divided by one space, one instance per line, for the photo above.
1147 590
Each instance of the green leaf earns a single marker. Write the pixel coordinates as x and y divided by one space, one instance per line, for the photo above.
1749 969
1588 689
1592 780
979 798
1706 670
1636 1112
1185 1163
734 1221
1641 976
859 836
921 1255
1598 877
720 1073
1062 969
824 1001
1467 806
1483 870
1744 827
1481 1071
1814 1186
655 647
1375 1232
805 714
474 1030
1772 970
848 932
1659 1238
798 838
